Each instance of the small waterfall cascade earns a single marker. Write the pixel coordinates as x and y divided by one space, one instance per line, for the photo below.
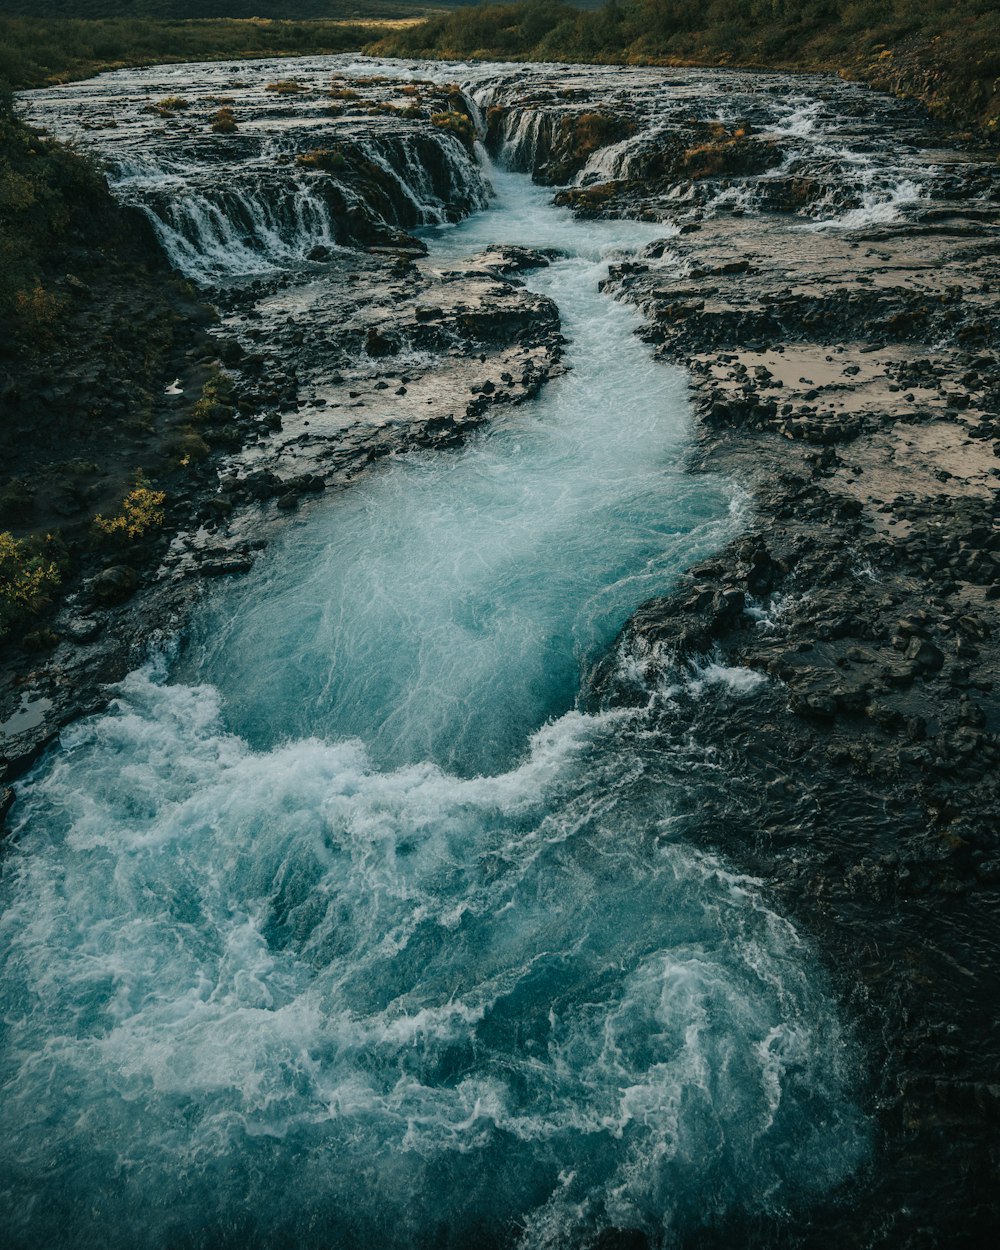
852 182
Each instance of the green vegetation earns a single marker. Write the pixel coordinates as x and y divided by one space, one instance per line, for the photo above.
286 86
213 403
945 52
460 125
141 511
28 575
224 121
34 52
330 160
187 10
589 131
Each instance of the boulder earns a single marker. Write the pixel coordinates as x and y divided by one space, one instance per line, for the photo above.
114 584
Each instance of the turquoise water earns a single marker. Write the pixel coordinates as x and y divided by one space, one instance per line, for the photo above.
346 928
444 610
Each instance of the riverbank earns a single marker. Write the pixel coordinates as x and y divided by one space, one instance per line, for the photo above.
37 51
110 384
944 56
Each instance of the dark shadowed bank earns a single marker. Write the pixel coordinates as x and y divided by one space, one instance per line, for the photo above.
98 464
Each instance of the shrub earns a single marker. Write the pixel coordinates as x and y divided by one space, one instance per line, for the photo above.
224 121
37 308
458 123
16 500
168 106
330 160
212 405
286 86
141 511
590 131
27 576
189 447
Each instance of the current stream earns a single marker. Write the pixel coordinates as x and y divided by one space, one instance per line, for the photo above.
347 927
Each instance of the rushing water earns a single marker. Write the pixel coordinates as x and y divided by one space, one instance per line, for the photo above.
345 927
445 610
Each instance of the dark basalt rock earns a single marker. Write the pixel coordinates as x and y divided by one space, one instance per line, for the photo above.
510 258
114 584
378 344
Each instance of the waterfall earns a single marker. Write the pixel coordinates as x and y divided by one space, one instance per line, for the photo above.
267 212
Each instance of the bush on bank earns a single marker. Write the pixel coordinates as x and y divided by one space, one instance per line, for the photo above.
28 576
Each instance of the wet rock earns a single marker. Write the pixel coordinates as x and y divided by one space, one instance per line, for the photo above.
114 584
221 566
871 743
727 605
817 703
511 258
83 628
924 656
306 484
258 486
622 1239
377 344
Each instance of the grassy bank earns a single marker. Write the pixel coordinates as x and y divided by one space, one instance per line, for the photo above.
35 52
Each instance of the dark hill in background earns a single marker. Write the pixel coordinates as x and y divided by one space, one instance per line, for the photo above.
188 10
200 10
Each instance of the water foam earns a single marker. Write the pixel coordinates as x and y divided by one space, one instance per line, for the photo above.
501 999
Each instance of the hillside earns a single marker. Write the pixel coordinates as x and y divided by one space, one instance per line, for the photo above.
37 51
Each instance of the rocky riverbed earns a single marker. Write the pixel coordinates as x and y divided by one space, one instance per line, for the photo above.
827 274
